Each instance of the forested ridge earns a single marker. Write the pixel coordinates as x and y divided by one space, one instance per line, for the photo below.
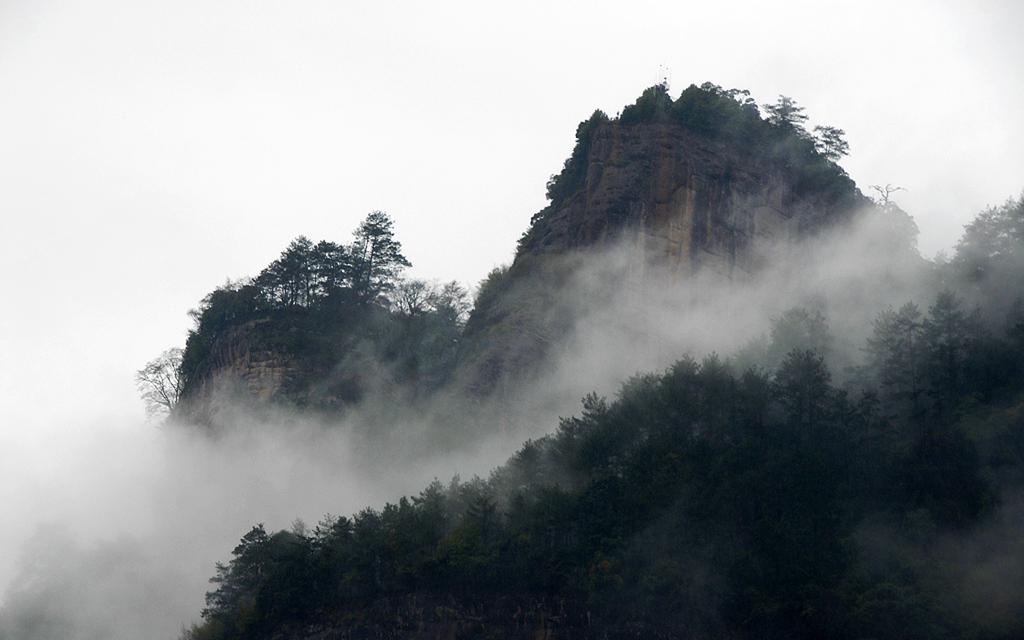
326 309
725 497
807 484
729 121
326 304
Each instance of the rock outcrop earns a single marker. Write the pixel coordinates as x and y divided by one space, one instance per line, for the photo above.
701 184
239 366
685 202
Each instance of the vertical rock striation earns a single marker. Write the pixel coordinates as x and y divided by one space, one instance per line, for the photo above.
683 202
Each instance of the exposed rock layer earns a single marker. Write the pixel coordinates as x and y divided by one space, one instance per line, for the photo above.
684 202
665 199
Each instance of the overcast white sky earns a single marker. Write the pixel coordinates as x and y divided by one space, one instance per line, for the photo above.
149 150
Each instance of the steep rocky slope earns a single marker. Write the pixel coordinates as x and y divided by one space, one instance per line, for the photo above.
721 498
681 201
700 183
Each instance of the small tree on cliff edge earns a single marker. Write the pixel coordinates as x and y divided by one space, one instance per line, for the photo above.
787 114
831 142
376 257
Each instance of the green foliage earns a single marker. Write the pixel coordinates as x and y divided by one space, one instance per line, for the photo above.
994 240
224 308
896 357
717 115
491 287
376 257
802 387
654 103
831 143
307 275
711 500
730 114
420 337
573 173
990 258
723 502
799 328
325 306
787 115
290 281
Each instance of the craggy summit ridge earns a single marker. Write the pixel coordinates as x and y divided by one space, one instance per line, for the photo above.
693 183
703 182
700 183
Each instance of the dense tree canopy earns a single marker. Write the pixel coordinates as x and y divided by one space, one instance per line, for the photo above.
785 113
994 239
763 477
830 142
785 492
717 115
376 257
326 303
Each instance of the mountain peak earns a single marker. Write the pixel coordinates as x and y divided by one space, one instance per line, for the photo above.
692 181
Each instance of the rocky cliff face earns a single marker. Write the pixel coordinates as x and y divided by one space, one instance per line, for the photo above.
238 366
684 202
701 184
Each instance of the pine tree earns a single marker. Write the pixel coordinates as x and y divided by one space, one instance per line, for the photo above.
787 114
830 142
895 354
802 384
376 257
950 335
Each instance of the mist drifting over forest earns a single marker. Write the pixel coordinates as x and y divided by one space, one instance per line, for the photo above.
180 495
723 386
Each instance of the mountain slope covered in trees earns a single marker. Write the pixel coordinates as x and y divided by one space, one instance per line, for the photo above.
301 330
707 501
705 182
776 492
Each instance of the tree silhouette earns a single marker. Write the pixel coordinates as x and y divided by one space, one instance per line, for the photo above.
376 257
950 335
802 386
895 355
786 114
830 142
160 382
885 195
289 279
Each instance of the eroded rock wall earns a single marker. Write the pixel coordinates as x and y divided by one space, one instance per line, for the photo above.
682 201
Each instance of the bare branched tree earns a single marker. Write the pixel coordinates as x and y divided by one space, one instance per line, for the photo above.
416 297
160 381
413 297
885 194
453 299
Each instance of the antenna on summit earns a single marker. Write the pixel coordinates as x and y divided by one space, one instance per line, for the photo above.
664 75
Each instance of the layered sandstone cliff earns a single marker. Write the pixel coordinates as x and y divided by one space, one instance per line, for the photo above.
685 202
